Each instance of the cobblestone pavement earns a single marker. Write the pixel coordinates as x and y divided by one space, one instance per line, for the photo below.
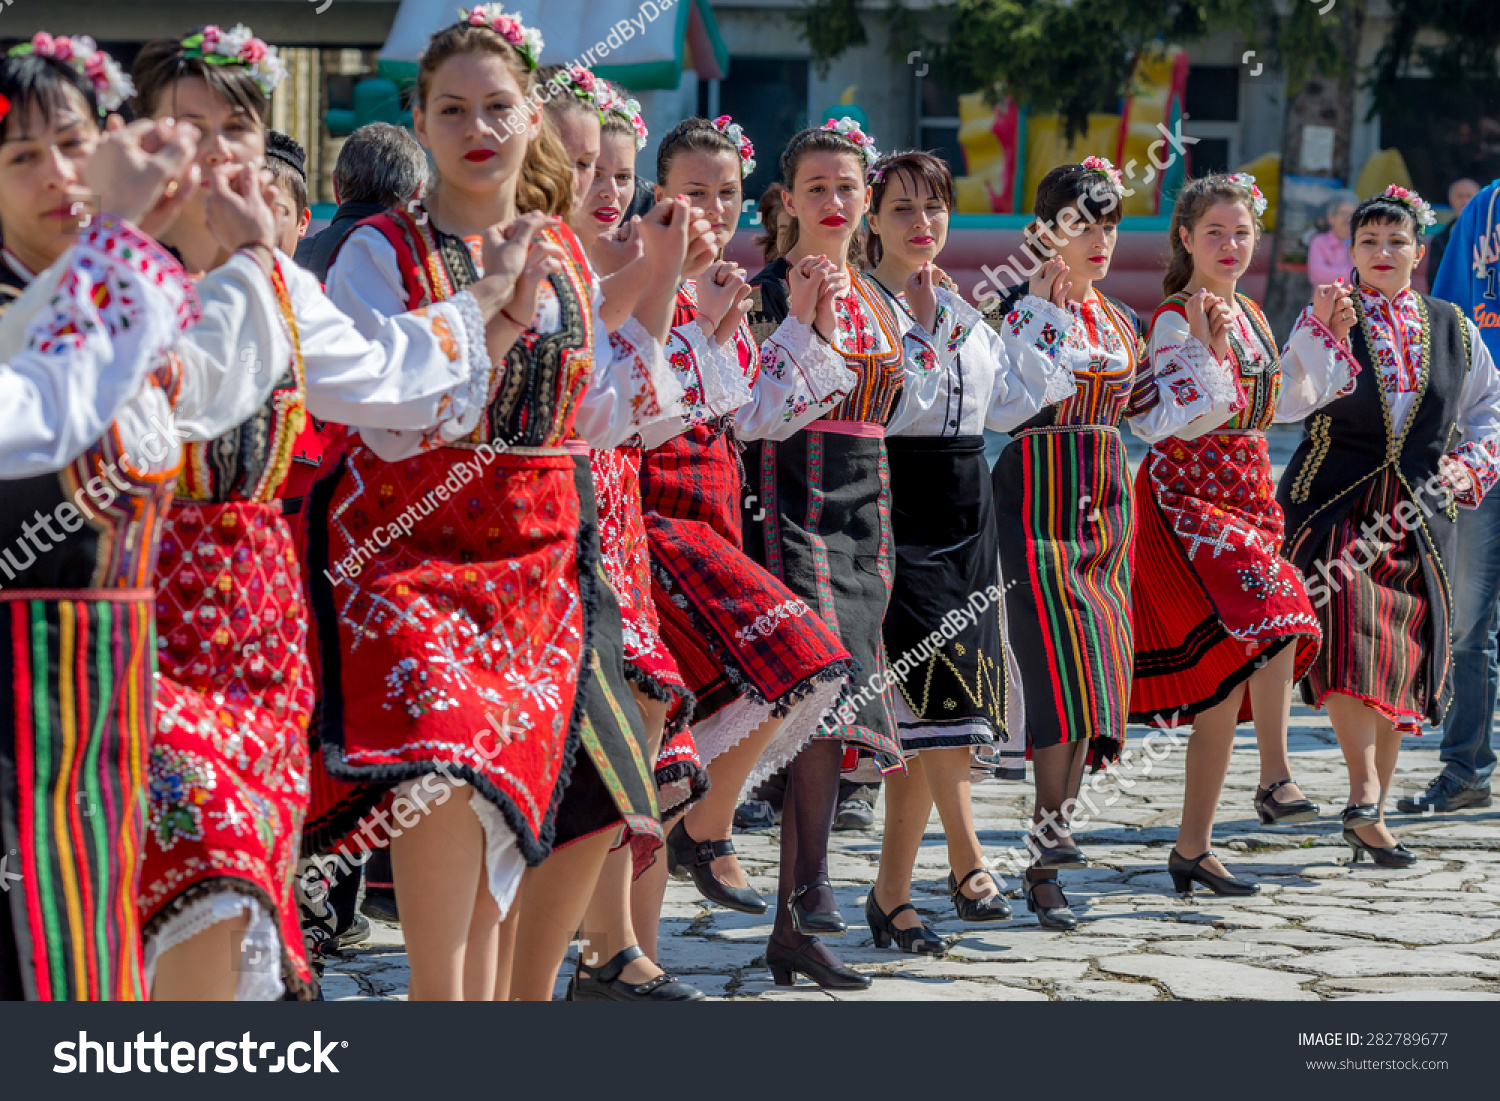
1319 929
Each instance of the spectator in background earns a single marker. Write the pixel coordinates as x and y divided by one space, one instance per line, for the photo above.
1465 278
287 161
1328 258
772 217
379 167
1460 193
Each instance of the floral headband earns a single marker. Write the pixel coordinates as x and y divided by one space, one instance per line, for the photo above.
238 46
526 40
1246 182
849 130
611 102
734 132
1420 208
1101 166
581 82
111 86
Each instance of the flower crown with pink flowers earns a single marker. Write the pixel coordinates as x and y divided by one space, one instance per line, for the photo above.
850 131
1246 182
581 82
735 133
111 86
237 46
612 103
1420 208
1101 166
526 40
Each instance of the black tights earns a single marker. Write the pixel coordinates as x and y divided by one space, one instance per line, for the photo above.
812 794
1058 770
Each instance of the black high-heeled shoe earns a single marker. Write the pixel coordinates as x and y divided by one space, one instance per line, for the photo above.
1361 814
1061 918
1057 857
697 858
605 984
828 923
921 941
787 963
991 908
1274 813
1186 872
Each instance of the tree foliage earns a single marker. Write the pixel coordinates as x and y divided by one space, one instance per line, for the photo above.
1464 60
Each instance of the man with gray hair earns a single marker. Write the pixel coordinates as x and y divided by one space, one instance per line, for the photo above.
379 167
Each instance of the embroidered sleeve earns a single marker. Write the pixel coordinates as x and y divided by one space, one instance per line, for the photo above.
77 348
1182 390
1478 451
1316 368
1036 327
709 372
801 377
1023 387
374 365
632 385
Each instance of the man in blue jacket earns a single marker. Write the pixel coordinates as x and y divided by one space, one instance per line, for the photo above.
1470 277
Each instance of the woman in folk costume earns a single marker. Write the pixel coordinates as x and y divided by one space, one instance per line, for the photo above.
488 624
762 668
821 522
89 447
1372 498
229 762
1223 625
601 131
1062 492
950 706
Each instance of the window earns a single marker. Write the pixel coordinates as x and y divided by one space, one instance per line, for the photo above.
768 97
1211 104
937 123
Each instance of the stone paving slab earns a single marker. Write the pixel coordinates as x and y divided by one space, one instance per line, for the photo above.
1320 929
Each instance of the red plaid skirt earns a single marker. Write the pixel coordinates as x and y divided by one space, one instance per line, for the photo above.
451 634
734 629
227 778
1212 597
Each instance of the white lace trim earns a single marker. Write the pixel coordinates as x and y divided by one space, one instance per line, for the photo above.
796 730
502 852
471 400
731 388
1060 384
262 939
1218 379
820 364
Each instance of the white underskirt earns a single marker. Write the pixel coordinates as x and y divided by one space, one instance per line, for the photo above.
502 850
256 984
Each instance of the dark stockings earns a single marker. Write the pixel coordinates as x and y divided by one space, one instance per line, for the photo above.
1059 774
812 793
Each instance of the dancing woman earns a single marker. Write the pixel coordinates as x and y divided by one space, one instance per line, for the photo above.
87 443
950 708
822 520
502 584
1414 441
1223 625
229 767
1062 492
761 667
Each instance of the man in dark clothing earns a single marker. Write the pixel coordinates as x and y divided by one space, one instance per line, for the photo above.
379 167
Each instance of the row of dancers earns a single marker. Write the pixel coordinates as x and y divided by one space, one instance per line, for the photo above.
538 536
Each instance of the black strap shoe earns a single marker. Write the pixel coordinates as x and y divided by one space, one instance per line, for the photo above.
605 984
1367 814
990 908
921 941
1275 813
1186 872
827 923
1061 918
697 858
787 963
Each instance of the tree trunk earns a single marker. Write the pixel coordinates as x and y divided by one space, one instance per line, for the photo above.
1322 100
